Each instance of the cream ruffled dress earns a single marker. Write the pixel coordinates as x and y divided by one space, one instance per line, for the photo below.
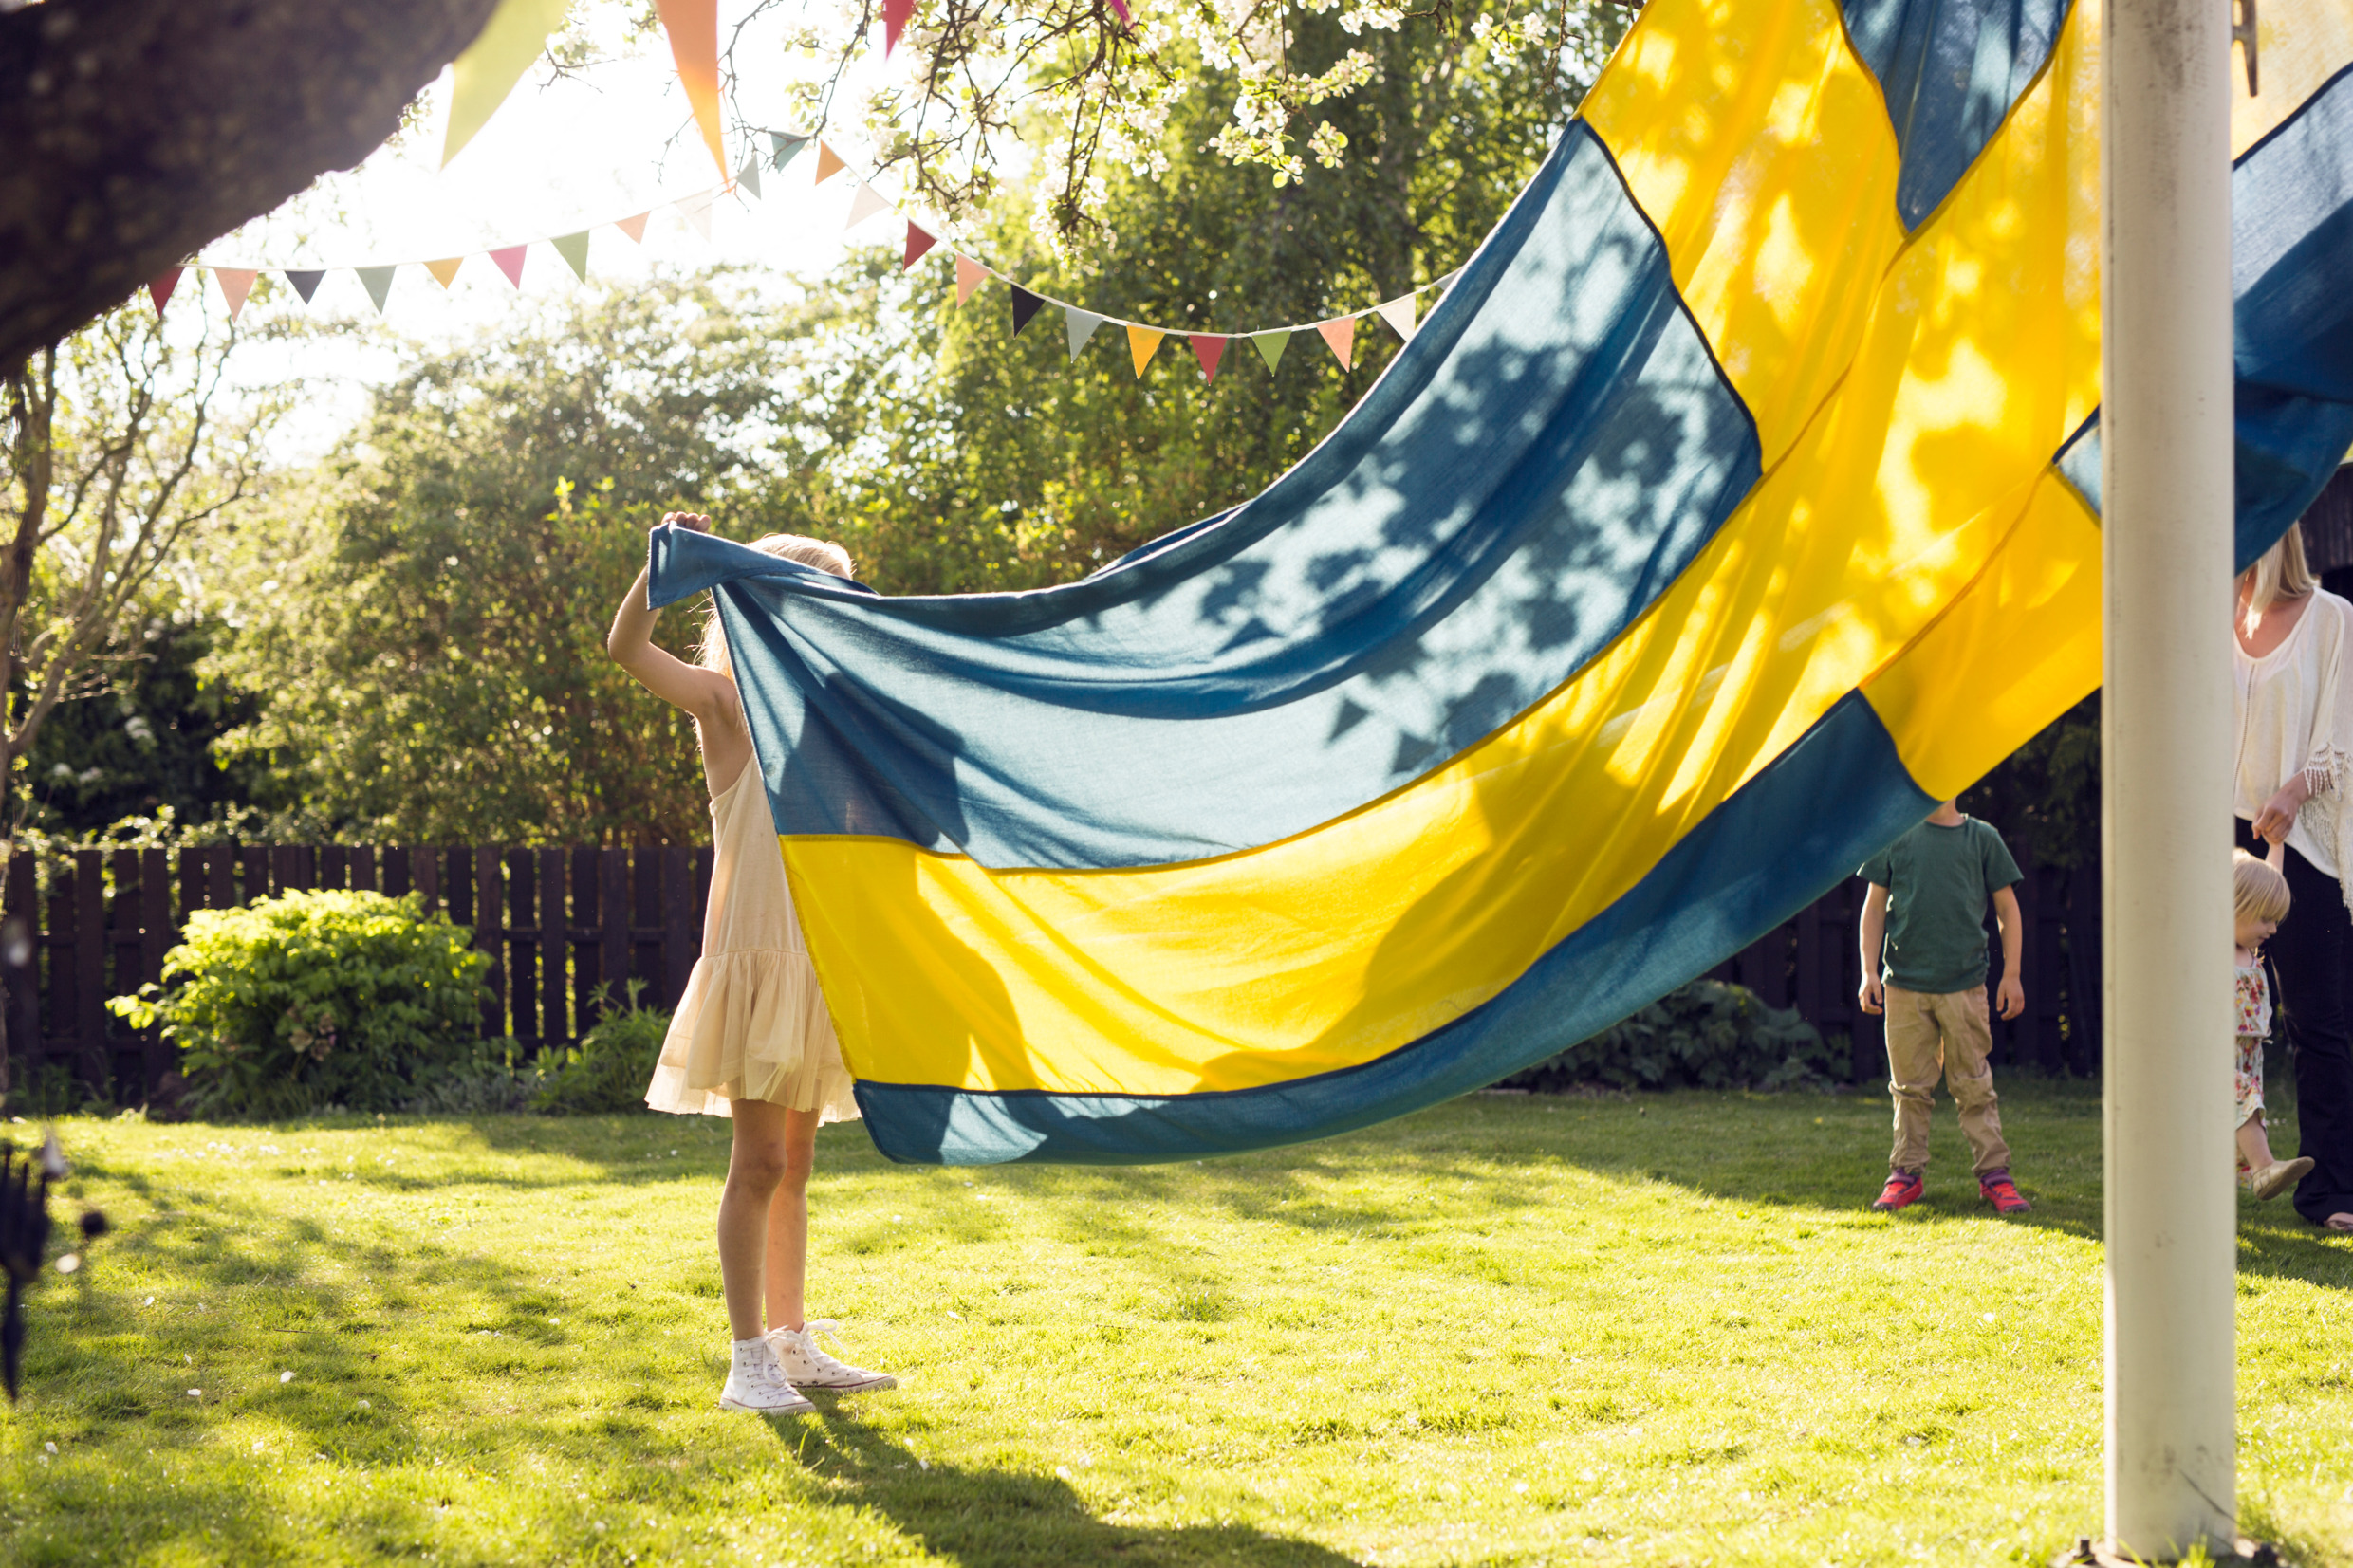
752 1024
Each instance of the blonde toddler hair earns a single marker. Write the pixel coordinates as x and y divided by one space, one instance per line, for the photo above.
2282 572
711 652
2257 889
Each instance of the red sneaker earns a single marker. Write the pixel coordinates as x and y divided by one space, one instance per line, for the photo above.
1998 1190
1903 1190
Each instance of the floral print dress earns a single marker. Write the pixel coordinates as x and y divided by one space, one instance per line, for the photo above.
2254 1027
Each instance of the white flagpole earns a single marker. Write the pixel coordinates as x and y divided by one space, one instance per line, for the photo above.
2166 469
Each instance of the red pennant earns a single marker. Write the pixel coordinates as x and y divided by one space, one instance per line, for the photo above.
894 14
159 287
510 262
918 241
1208 348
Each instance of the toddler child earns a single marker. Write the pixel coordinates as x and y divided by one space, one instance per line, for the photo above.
2260 893
1924 917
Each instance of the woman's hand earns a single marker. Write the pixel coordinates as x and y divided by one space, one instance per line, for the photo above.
692 521
2278 815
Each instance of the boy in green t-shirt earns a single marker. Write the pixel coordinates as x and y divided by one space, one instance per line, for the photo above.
1926 912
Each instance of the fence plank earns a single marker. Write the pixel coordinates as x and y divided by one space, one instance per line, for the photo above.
89 962
425 873
490 936
155 936
586 935
555 943
613 907
678 922
334 863
20 962
397 883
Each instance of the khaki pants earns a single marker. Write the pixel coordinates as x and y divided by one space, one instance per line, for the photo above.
1929 1033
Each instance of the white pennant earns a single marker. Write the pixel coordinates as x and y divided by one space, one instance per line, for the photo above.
1398 313
696 211
865 204
1081 326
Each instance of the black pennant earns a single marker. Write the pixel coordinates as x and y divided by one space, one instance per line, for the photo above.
1025 305
305 284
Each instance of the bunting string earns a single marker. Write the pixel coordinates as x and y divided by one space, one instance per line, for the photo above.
1338 333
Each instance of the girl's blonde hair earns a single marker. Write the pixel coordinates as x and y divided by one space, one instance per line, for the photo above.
2283 573
2257 889
710 652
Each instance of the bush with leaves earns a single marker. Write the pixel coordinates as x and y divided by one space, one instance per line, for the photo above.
312 1000
610 1067
1706 1035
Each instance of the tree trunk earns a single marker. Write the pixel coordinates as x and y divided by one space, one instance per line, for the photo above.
132 132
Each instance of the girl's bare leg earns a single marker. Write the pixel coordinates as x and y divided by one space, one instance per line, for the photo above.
788 1221
755 1167
2253 1146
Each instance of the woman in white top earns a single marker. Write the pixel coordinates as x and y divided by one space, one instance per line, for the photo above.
2293 707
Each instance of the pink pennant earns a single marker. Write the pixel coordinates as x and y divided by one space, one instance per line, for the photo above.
510 262
634 227
894 14
1341 336
970 275
1209 348
235 284
918 241
159 287
1121 7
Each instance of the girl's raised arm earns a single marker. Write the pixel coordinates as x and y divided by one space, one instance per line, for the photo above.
704 694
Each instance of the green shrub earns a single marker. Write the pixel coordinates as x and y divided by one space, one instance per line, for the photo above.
1706 1035
610 1067
313 999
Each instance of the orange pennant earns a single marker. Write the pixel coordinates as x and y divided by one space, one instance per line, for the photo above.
828 164
1341 336
444 272
1142 342
510 262
970 275
693 29
159 287
634 227
1208 348
235 284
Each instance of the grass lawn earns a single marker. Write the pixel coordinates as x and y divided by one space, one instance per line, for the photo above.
1508 1330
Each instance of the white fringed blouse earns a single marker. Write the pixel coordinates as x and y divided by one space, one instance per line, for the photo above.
2293 708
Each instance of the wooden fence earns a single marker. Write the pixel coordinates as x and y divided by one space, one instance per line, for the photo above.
564 927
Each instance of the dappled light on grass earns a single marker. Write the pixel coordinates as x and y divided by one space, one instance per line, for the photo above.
1513 1329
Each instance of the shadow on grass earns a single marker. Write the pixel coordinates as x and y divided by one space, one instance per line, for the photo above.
983 1518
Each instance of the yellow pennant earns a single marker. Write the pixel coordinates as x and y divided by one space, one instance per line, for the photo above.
444 272
1142 342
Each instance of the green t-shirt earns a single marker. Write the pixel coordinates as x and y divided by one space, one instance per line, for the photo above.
1937 881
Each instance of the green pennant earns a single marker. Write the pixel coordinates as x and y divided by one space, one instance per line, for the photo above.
574 248
749 175
1272 344
784 148
378 281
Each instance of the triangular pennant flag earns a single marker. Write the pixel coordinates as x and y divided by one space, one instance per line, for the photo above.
305 284
784 148
445 272
1079 325
1209 348
377 282
159 287
828 164
634 227
749 175
1025 305
574 248
235 284
1272 344
510 262
1398 313
1142 342
1449 281
918 241
493 63
970 275
696 211
693 29
1341 336
894 14
865 204
1125 20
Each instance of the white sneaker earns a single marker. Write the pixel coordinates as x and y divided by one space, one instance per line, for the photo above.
810 1368
756 1382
